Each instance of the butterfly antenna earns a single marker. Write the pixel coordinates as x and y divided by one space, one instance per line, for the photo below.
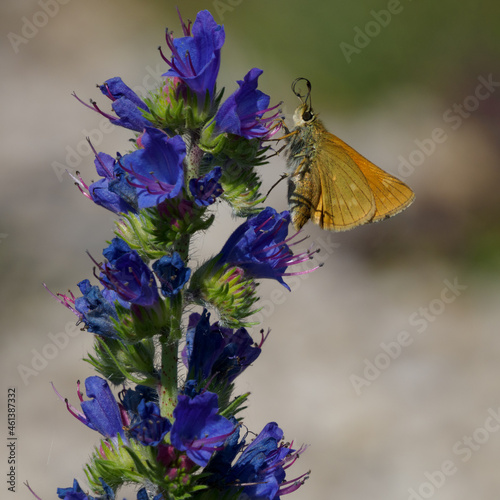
306 99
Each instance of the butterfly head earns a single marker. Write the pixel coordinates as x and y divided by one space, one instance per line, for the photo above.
304 114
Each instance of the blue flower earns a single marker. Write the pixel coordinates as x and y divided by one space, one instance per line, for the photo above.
242 112
259 247
97 309
156 170
196 59
126 104
76 493
101 413
207 188
214 351
150 428
112 192
172 273
126 274
131 398
260 467
197 428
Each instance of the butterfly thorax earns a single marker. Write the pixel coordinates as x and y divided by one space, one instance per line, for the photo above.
305 142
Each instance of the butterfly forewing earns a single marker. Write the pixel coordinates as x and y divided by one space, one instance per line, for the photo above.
346 199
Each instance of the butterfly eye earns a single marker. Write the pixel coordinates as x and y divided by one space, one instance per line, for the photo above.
307 116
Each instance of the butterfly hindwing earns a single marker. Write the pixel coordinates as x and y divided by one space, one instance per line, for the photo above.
391 195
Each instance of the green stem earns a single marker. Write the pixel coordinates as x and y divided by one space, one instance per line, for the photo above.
168 396
170 345
170 340
194 156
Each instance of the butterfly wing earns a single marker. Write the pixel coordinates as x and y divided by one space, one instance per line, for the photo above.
391 195
346 199
329 188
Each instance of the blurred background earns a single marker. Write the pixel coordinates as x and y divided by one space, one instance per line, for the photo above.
387 360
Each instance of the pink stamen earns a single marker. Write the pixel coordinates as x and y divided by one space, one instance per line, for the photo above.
263 337
94 107
185 29
64 300
294 484
31 491
109 94
79 393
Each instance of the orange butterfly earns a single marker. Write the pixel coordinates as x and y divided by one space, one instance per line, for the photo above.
331 183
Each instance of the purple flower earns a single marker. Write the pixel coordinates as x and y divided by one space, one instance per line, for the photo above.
214 351
259 247
197 428
151 427
207 188
100 413
242 112
113 192
156 170
97 309
126 104
126 274
172 273
196 59
131 398
260 467
76 493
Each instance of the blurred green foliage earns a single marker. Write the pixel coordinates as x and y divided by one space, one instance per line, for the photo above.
427 43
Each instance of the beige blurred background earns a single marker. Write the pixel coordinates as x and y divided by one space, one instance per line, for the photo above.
423 286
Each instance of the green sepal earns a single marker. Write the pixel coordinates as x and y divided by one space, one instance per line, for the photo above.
135 463
237 156
235 406
119 362
175 109
174 220
137 231
225 289
118 466
241 189
140 322
229 148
